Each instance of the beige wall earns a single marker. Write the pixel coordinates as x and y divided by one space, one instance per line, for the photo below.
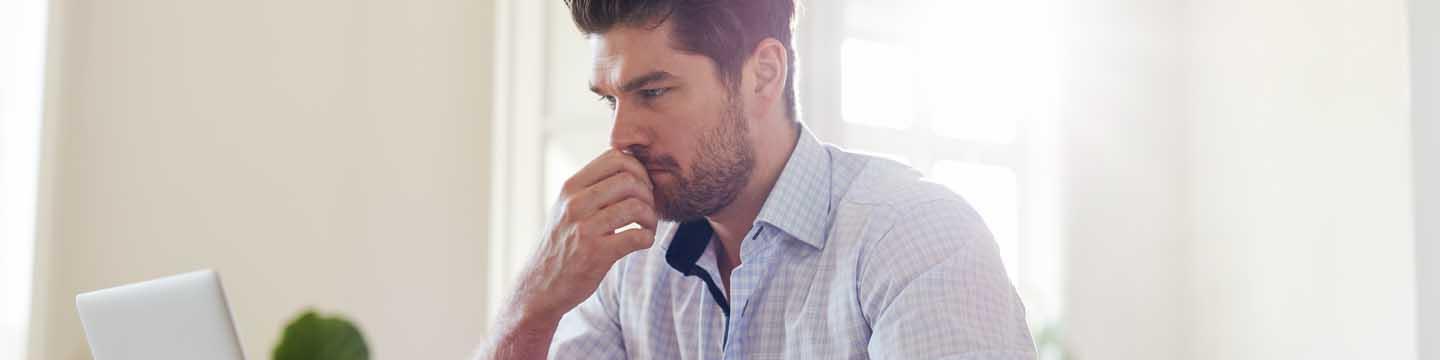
1301 191
321 153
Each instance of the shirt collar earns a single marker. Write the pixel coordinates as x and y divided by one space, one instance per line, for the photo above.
799 204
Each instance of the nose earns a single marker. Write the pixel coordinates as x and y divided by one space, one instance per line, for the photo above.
627 131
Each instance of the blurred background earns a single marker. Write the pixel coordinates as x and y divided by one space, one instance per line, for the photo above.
1166 179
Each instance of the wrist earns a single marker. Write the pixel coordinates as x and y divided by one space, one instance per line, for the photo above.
521 334
539 317
529 314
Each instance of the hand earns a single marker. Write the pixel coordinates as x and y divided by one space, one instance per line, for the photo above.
581 244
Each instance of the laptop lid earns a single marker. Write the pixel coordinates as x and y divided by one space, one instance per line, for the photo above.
177 317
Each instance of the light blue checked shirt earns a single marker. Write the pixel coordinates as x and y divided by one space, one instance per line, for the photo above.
851 257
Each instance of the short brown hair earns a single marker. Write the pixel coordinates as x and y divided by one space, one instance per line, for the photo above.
726 31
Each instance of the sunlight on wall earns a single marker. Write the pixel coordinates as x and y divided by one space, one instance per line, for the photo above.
22 56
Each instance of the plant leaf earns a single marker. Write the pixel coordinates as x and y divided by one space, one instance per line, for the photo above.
314 337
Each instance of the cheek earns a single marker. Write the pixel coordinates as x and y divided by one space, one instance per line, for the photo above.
681 135
678 143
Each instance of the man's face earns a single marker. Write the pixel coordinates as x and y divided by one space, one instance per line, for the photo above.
673 112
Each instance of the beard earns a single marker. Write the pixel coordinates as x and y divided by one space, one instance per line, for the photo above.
724 160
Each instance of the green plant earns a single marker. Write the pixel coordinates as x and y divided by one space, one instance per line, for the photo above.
314 337
1050 342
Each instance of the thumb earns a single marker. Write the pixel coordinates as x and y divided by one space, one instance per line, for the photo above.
632 240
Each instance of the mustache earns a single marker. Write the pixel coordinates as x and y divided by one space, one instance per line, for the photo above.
654 161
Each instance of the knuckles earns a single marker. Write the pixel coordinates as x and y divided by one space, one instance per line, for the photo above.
626 179
570 207
632 206
568 187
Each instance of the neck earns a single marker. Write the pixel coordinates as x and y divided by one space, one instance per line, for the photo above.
772 150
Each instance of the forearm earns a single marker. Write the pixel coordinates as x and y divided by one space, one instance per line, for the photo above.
520 337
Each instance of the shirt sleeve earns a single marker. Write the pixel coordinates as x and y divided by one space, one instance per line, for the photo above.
933 287
592 329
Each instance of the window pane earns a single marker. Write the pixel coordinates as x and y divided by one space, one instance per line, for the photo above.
992 191
979 67
877 85
983 67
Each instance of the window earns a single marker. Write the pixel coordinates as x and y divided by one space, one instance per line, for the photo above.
22 57
964 91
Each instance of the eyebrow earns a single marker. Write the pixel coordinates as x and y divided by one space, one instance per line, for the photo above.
638 82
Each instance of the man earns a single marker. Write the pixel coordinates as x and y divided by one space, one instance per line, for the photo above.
754 239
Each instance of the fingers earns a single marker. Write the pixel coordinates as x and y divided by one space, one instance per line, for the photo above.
607 164
629 241
620 214
612 191
607 192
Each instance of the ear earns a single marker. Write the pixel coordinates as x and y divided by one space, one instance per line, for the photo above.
766 72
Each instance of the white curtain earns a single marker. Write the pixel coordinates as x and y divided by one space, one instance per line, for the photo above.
22 59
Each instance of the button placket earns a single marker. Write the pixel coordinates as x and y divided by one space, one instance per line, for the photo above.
756 263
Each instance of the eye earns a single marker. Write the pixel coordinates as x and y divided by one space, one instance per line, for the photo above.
608 100
653 93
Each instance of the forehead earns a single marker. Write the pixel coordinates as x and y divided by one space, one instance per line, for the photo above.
629 51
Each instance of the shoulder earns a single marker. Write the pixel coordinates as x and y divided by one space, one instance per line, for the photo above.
895 216
890 190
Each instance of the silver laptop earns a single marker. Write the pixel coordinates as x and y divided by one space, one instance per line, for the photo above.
178 317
